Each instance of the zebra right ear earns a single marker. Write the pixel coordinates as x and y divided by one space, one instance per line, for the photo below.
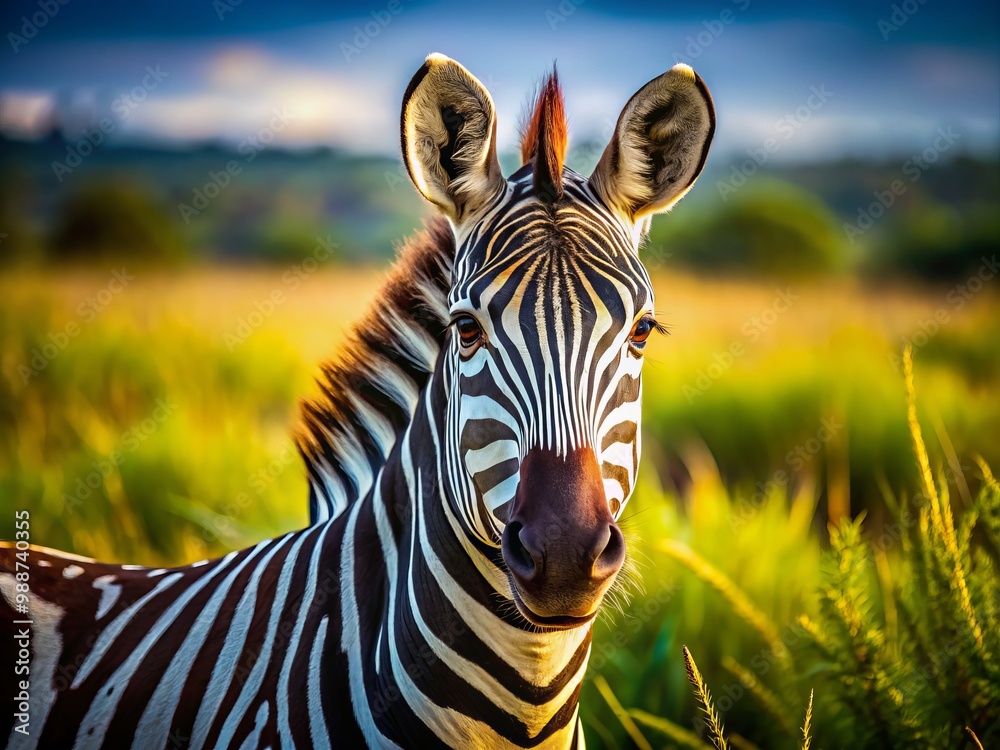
659 146
449 138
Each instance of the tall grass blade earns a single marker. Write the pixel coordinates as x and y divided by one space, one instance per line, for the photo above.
675 732
807 726
768 700
739 742
619 711
941 516
705 698
736 597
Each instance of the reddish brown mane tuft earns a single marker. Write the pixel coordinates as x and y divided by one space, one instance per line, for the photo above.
544 139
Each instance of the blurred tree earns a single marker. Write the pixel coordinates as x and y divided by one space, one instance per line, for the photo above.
112 221
932 242
19 238
287 240
772 229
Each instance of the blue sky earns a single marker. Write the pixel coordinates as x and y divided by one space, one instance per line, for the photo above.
338 74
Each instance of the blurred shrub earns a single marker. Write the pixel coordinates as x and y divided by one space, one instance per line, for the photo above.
775 229
20 242
112 221
933 243
286 240
894 643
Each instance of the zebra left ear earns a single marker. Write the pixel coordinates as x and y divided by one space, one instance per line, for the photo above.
659 146
449 138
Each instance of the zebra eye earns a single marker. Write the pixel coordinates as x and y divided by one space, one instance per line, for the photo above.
470 332
641 331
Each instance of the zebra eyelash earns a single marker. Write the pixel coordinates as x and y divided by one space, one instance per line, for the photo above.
659 327
637 347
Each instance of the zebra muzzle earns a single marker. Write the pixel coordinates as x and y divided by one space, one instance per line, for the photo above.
561 544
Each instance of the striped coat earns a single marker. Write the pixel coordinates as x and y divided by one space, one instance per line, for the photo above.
469 458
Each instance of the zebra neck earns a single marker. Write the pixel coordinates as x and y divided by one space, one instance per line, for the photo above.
369 393
451 655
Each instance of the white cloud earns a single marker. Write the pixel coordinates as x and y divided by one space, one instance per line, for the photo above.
243 89
886 97
26 114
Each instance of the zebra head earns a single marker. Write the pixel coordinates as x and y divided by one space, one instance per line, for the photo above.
551 309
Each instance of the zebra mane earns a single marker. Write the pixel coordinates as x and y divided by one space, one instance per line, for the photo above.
544 139
369 392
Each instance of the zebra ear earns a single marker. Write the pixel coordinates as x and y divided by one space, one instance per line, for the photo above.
449 138
659 145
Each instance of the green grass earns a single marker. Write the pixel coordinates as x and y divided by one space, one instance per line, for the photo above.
782 486
896 643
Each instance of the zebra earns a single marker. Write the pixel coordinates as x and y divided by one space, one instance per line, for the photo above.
469 457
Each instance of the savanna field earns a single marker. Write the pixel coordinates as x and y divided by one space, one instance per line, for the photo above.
788 528
199 199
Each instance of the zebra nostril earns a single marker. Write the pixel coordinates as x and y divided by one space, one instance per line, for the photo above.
610 558
518 557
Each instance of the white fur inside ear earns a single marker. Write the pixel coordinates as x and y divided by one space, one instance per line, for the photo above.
449 125
658 147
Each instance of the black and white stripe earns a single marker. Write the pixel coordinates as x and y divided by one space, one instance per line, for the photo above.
399 618
561 291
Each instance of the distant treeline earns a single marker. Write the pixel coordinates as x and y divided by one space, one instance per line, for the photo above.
88 201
